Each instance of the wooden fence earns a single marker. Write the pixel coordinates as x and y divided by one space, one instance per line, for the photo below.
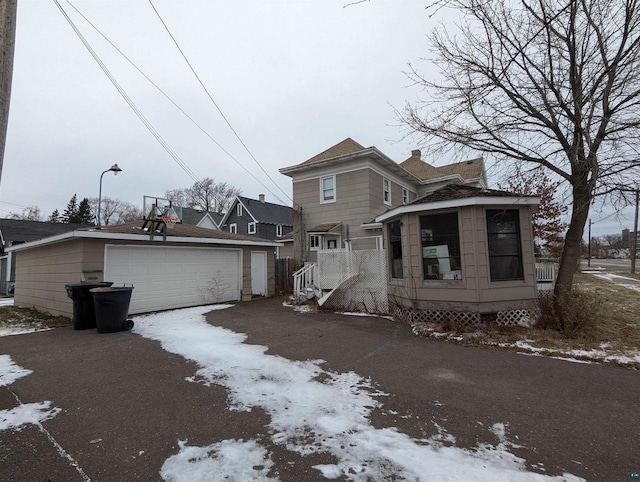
284 274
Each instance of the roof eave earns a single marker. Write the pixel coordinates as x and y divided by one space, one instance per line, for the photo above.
455 203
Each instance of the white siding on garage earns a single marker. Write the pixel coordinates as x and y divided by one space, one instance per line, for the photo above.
167 277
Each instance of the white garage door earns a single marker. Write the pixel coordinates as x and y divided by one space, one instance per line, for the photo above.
167 277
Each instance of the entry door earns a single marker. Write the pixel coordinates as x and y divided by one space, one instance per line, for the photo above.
258 273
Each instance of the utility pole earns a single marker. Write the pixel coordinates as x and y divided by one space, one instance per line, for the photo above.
634 245
589 250
8 10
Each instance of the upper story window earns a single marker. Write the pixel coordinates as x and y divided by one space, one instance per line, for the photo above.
440 241
328 189
386 191
239 210
505 248
405 195
278 230
252 228
233 228
395 249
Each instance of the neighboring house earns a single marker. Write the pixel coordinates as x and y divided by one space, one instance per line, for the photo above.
341 190
194 266
256 217
18 231
454 249
202 219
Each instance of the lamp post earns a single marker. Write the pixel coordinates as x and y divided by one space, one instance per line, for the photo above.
115 169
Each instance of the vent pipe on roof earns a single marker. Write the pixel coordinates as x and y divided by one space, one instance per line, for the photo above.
261 197
416 153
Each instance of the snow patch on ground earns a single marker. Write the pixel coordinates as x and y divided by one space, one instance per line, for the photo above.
299 308
6 301
19 329
580 356
634 285
294 394
34 413
229 460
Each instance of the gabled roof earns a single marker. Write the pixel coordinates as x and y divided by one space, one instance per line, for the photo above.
19 230
466 170
456 195
194 216
263 212
348 146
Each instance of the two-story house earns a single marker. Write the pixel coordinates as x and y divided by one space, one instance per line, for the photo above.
256 217
453 249
340 191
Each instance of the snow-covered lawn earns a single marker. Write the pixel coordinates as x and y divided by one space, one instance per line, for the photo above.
312 410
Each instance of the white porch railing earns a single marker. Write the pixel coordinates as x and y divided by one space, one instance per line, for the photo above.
305 278
545 275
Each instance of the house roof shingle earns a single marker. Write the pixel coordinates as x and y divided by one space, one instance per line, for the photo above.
324 228
266 212
175 230
18 230
470 169
347 146
194 216
453 192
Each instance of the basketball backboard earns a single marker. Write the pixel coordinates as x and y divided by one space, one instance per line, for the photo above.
159 209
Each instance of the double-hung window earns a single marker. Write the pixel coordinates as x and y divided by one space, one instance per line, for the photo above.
440 242
314 242
405 195
505 248
252 228
386 191
328 189
239 209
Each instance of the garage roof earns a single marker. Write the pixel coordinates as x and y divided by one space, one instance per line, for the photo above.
177 233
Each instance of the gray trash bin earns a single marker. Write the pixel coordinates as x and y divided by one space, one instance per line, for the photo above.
112 306
84 313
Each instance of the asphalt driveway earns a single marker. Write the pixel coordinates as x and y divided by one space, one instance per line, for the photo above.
125 402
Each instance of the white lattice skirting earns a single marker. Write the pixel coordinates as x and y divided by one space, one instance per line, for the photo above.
463 318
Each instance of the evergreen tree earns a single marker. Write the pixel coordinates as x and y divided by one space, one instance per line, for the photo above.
84 215
70 211
55 217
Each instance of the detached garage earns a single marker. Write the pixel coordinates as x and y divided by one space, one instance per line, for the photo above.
193 266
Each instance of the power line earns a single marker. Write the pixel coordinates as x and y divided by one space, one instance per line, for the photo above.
214 102
169 98
127 99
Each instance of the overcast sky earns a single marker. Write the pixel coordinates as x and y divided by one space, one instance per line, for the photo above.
293 77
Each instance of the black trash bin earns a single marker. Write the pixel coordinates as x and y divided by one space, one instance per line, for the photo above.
112 307
84 313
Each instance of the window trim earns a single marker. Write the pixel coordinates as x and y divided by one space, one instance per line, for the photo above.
392 242
405 195
386 191
323 200
518 236
278 230
251 228
451 256
318 243
233 228
239 210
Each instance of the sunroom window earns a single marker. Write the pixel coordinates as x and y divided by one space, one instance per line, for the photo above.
395 249
440 242
505 248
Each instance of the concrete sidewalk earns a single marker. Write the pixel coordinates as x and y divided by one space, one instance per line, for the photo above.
125 401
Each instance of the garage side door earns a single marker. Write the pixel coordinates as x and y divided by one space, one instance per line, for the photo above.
167 277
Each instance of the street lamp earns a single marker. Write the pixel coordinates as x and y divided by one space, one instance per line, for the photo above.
115 169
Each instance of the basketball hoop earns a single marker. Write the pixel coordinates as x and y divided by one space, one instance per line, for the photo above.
170 217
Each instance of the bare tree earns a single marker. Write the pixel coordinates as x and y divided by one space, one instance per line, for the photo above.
115 211
30 213
206 195
552 83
